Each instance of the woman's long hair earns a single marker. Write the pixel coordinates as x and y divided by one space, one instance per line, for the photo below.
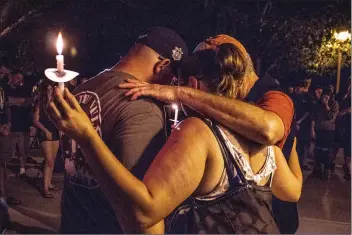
43 98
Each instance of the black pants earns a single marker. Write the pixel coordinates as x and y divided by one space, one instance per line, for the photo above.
303 142
324 148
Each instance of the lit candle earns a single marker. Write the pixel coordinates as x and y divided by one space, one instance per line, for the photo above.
60 59
175 107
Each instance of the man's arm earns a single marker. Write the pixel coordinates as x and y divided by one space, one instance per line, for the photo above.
262 123
305 116
266 124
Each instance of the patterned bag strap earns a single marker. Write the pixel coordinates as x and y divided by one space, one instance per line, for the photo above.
229 161
225 153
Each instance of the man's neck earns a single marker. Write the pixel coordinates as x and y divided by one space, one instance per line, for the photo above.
131 69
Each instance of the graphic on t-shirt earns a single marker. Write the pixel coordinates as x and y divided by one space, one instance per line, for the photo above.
76 166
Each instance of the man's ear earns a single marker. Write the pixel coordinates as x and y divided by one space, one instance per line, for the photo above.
161 66
194 82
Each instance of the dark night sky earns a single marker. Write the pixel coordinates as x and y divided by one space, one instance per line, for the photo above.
103 30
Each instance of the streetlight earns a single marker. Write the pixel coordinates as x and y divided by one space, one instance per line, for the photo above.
341 37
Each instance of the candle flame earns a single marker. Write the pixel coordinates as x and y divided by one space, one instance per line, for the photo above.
59 44
174 106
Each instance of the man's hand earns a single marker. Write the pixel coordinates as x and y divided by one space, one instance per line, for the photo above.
325 100
167 94
69 117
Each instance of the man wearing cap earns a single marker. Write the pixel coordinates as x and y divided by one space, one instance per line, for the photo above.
132 130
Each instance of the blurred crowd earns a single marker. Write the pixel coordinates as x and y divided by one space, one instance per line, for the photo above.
323 125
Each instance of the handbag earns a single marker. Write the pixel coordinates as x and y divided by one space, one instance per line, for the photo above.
245 207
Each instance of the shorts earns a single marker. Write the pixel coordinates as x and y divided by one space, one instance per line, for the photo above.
42 136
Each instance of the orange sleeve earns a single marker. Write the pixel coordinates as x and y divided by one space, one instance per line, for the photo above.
282 105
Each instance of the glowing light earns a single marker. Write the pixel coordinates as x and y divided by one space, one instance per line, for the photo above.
342 36
59 44
175 107
73 51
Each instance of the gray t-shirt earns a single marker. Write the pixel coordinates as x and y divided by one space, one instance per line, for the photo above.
133 131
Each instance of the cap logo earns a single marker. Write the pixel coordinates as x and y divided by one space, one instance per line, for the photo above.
177 53
142 36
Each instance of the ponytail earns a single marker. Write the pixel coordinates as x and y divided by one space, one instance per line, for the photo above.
233 66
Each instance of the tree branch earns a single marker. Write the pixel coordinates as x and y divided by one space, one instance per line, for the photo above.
261 21
7 30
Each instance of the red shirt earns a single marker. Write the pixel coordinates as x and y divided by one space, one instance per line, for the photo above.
282 105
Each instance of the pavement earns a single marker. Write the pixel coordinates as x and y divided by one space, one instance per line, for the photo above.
324 207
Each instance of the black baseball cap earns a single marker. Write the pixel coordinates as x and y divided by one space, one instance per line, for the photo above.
166 43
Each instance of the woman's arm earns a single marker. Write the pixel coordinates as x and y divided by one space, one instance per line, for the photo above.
172 177
288 180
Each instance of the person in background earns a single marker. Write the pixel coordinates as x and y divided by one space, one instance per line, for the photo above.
332 89
290 90
20 102
317 94
48 135
344 121
83 80
303 104
307 84
5 157
323 131
4 74
316 99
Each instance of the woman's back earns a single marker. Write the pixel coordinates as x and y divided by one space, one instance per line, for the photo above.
256 161
257 157
225 192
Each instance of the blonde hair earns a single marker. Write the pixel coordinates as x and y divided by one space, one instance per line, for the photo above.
234 68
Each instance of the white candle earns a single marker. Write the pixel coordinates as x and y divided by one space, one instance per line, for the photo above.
60 63
60 59
175 107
